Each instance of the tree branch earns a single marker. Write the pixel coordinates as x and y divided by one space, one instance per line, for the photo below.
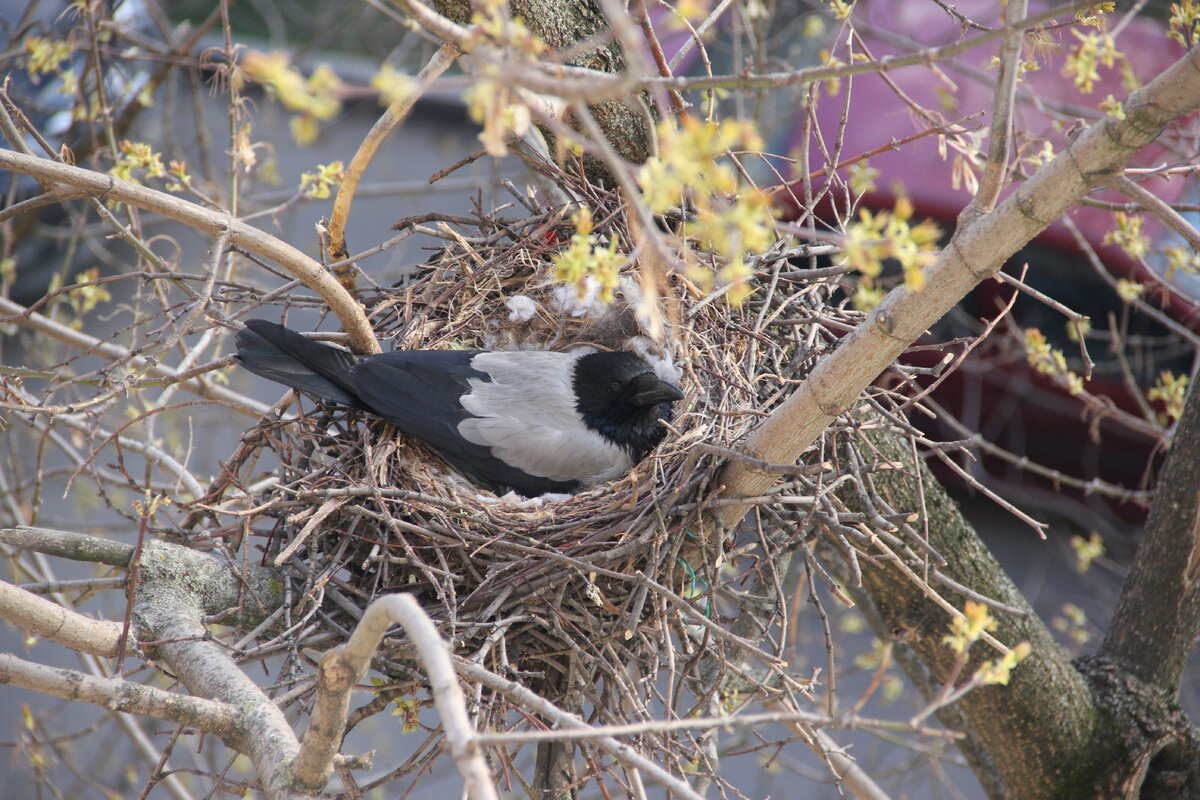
114 694
177 588
976 252
51 621
289 258
65 544
1159 208
532 702
391 118
170 615
344 666
563 25
15 314
1047 709
995 170
1158 616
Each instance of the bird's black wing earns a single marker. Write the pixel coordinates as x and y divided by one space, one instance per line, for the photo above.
420 391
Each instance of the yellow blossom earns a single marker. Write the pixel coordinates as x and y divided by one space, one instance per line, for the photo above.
966 630
728 221
317 185
1086 551
394 87
313 99
1112 107
997 673
85 298
1129 290
862 178
409 708
1084 60
841 9
583 259
1171 391
1072 623
1181 259
1128 235
1184 23
44 56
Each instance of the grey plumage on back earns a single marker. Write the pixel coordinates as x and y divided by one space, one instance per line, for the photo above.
547 438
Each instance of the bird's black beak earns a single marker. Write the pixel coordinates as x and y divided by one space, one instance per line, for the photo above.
648 390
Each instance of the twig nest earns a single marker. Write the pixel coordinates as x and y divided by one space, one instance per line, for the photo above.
368 511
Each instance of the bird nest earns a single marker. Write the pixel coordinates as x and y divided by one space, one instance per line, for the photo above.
359 511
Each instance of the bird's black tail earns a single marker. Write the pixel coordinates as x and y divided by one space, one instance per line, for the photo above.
286 357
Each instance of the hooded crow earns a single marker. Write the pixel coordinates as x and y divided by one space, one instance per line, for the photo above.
528 421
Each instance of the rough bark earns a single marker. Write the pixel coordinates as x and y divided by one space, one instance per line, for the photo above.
565 24
1156 748
173 617
1158 615
1040 730
1137 673
1061 730
177 588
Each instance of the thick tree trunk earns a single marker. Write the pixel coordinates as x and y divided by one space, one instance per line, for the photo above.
1159 612
1058 730
1038 731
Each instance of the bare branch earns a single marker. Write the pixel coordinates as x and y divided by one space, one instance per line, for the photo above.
51 621
80 585
1159 208
730 722
65 544
537 704
254 591
106 187
170 615
344 666
847 769
605 85
114 694
391 118
995 170
144 447
177 587
976 252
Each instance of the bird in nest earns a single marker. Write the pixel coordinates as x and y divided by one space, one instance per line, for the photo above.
532 422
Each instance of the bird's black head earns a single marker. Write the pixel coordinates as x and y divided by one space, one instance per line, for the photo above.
619 396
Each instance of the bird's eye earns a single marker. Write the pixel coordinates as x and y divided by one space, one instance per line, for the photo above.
615 387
